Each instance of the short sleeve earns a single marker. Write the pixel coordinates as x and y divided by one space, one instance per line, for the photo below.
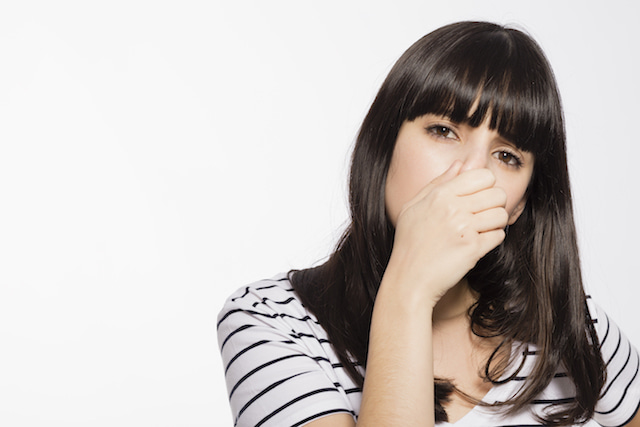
279 368
621 394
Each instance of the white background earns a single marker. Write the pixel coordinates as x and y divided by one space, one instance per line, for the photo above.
157 155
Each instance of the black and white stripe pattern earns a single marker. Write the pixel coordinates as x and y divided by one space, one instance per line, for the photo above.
281 370
621 393
279 365
620 396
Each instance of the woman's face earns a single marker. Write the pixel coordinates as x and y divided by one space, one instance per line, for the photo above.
427 146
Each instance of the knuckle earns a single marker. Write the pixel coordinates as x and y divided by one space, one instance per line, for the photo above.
462 230
487 176
501 195
438 192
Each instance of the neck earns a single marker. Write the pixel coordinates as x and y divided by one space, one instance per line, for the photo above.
455 303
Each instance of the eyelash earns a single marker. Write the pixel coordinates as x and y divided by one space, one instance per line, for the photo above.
517 161
436 128
514 160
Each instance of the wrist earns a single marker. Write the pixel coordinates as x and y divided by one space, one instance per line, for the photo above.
405 295
417 292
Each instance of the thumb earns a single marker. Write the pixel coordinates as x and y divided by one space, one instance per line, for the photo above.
448 175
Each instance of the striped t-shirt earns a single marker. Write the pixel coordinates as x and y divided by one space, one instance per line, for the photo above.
281 370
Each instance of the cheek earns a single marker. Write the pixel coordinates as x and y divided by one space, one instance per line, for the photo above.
408 174
516 190
395 193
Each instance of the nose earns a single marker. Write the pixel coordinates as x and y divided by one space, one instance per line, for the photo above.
474 157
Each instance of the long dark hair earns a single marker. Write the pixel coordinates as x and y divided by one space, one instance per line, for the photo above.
530 287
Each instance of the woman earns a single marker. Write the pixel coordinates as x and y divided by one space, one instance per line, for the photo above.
460 266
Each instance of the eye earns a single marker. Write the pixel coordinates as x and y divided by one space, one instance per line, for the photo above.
509 158
441 131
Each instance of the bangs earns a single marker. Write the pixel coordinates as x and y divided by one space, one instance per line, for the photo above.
495 75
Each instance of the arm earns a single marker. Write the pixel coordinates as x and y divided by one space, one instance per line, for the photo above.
278 364
635 421
440 235
392 393
620 397
399 381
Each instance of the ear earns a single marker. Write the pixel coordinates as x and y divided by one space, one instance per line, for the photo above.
517 211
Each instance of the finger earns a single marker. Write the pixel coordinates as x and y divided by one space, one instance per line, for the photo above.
449 174
472 181
489 240
489 198
490 219
445 177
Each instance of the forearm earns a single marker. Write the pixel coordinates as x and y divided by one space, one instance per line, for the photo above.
440 235
398 388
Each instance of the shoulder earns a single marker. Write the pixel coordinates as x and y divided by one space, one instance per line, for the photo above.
267 299
266 314
621 393
620 396
278 362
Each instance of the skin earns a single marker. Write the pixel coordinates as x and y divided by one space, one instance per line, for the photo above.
451 190
635 422
429 145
